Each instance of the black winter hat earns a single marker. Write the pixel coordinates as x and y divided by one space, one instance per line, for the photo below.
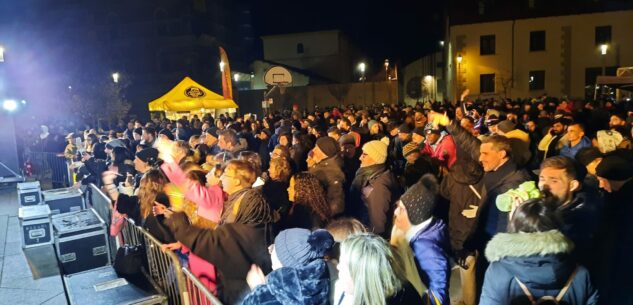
328 146
167 133
420 199
614 168
148 155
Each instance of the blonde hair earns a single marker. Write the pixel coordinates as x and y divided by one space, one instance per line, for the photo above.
343 227
283 168
243 171
152 183
376 270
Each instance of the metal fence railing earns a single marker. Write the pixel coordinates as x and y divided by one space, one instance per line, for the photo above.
50 169
198 292
102 204
165 270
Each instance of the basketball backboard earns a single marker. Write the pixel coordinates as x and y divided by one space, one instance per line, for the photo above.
278 76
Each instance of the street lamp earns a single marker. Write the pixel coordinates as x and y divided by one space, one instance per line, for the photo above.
458 78
387 76
9 105
362 67
1 54
236 77
603 48
222 66
115 77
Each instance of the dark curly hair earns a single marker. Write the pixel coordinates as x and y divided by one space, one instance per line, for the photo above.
309 192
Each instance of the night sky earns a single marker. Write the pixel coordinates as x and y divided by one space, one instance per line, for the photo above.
401 30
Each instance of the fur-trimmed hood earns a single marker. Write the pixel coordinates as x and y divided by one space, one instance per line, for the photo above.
527 244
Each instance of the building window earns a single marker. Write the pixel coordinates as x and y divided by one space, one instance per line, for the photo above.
486 83
487 45
537 41
591 74
300 48
537 80
603 34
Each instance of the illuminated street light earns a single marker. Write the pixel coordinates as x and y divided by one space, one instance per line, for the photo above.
9 105
441 43
1 54
70 87
222 66
115 77
428 78
604 48
236 77
459 58
362 67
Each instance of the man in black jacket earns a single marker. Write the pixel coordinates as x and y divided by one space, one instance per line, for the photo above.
328 170
374 190
500 175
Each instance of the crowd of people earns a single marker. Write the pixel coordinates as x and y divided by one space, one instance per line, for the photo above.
376 205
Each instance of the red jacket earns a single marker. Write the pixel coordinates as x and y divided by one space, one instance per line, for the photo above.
445 151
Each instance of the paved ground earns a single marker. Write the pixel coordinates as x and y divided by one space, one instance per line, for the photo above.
26 277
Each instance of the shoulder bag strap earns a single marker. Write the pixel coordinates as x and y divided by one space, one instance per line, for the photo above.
472 188
526 291
562 292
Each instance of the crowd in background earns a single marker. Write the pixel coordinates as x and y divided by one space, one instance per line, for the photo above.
376 205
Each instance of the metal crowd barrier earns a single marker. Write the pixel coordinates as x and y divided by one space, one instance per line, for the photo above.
50 168
198 293
165 270
102 204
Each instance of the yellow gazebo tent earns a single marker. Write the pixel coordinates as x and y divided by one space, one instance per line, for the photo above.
189 96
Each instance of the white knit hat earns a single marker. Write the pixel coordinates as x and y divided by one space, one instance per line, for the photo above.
377 150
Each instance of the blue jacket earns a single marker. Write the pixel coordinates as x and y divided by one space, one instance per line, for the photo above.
309 285
539 260
431 258
569 151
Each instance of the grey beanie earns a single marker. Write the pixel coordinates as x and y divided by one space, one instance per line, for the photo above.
297 247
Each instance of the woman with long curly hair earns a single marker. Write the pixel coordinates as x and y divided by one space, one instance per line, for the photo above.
309 209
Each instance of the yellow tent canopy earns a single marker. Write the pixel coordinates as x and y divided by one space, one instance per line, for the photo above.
190 96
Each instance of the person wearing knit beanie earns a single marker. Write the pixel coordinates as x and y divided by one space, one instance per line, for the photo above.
300 274
376 150
410 148
148 156
297 247
613 172
419 200
426 235
329 146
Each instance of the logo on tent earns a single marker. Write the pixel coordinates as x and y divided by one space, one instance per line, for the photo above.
194 92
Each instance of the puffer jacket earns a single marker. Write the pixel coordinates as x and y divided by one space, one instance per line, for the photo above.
307 285
331 176
429 248
541 262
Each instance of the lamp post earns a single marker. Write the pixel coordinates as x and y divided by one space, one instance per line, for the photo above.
603 52
362 67
458 78
387 76
115 77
